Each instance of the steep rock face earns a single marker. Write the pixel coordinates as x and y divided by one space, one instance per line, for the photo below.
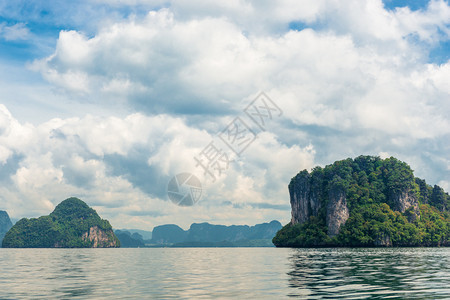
405 200
299 190
305 202
100 238
337 211
314 197
305 198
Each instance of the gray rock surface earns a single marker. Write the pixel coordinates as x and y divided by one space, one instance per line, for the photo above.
337 211
299 191
405 200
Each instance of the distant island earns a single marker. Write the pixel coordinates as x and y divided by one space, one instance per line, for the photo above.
365 202
73 224
202 235
5 224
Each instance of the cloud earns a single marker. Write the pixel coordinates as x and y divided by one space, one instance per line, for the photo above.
122 166
354 79
157 56
18 31
161 64
431 25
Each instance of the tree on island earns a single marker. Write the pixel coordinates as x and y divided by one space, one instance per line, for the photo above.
369 202
73 224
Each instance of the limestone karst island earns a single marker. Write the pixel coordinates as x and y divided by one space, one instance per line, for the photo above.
361 202
73 224
365 202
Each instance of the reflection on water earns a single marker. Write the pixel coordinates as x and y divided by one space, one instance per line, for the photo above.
238 273
370 273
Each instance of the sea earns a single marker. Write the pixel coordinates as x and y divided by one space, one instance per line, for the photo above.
225 273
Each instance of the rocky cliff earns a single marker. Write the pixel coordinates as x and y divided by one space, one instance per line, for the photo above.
305 196
406 200
306 202
360 202
337 210
73 224
100 238
300 193
305 193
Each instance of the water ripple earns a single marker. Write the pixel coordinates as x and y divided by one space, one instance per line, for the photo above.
238 273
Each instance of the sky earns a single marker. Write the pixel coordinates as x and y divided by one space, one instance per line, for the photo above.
108 100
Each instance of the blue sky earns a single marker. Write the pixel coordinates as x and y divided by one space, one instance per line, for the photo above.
438 53
413 5
108 100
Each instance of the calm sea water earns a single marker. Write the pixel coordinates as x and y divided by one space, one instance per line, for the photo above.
238 273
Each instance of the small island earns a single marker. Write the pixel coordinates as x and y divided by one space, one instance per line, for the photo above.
365 202
73 224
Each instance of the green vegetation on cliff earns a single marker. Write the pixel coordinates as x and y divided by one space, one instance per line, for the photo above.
379 203
73 224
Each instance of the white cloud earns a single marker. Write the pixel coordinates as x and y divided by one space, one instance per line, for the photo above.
18 31
357 81
71 157
163 64
430 25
